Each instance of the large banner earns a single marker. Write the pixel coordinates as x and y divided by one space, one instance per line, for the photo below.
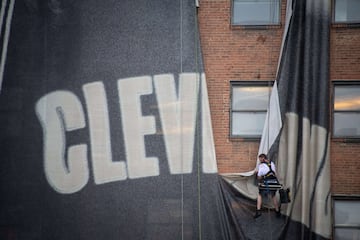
105 128
105 123
303 156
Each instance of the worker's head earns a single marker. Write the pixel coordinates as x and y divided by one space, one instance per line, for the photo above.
262 157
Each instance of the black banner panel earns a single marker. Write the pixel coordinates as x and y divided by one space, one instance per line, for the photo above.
105 123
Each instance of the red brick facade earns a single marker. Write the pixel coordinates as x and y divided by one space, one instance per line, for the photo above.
231 53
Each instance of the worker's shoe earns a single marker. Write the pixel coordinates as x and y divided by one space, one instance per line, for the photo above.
257 214
278 213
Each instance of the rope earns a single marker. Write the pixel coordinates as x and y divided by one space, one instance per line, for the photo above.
181 70
198 128
6 35
272 18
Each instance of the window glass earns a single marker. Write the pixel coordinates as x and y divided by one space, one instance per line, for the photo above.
346 111
347 212
256 12
347 11
248 124
346 219
347 234
250 97
347 97
249 104
346 124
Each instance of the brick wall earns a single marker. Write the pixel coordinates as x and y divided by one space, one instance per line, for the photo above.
345 65
345 53
231 53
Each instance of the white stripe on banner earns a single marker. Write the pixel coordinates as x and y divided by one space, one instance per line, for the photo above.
273 118
270 133
273 115
2 13
5 38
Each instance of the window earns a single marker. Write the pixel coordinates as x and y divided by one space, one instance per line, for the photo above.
248 108
346 122
346 218
346 11
256 12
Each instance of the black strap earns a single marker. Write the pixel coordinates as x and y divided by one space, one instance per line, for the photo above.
270 172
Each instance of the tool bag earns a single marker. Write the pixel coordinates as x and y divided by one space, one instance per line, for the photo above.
284 195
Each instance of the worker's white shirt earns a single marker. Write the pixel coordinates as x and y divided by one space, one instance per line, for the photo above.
264 169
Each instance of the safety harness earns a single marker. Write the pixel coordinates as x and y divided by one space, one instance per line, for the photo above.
270 181
270 174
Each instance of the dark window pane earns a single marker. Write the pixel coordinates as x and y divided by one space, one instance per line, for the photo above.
256 12
347 233
346 124
347 11
347 212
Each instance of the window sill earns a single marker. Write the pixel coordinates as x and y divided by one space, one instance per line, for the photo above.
345 25
255 27
346 140
346 197
244 139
